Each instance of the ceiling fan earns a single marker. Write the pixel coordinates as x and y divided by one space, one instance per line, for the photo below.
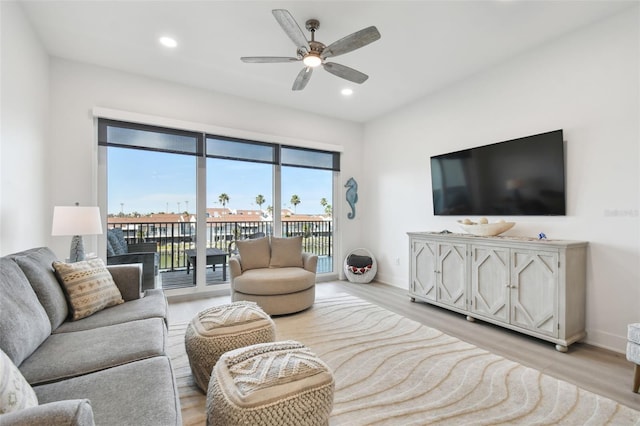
312 53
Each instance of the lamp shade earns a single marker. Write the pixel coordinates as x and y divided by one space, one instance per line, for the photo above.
76 220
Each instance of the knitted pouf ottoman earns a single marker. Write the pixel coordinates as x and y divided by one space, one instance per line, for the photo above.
217 330
280 383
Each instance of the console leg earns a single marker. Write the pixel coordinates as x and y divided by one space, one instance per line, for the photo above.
471 319
561 348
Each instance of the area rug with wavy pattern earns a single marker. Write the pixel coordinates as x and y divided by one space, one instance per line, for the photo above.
390 370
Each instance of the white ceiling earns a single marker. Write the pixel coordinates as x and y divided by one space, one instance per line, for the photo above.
425 45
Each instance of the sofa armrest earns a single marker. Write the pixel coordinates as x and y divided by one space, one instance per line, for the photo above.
148 260
128 279
235 267
310 261
72 412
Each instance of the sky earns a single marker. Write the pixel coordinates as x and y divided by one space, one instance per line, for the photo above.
152 182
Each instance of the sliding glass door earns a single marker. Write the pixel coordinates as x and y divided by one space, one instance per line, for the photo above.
194 194
307 198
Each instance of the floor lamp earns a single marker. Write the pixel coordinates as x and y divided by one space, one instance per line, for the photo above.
76 221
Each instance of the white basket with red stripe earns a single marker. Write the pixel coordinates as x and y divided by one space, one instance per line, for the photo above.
360 266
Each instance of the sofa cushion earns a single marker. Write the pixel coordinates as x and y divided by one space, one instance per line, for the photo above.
15 393
254 254
152 305
65 355
272 281
88 285
139 393
24 323
37 266
286 252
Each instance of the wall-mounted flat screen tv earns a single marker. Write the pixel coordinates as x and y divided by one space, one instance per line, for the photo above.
523 176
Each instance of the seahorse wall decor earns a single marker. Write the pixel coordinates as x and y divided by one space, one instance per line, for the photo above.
352 196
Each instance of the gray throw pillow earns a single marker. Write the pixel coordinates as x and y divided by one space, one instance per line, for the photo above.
36 265
24 322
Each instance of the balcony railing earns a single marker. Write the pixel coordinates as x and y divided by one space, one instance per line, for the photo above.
173 238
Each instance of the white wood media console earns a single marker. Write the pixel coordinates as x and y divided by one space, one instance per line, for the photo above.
532 286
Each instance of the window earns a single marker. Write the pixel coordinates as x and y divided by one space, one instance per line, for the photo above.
247 187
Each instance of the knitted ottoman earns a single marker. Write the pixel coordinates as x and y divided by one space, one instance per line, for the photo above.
217 330
280 383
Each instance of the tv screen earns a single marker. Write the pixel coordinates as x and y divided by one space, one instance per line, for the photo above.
518 177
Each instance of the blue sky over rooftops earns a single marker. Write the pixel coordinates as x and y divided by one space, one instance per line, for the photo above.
153 182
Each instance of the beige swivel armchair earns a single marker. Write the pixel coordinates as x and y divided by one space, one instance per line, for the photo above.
275 274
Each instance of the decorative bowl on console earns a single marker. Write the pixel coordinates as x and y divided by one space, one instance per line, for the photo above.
485 229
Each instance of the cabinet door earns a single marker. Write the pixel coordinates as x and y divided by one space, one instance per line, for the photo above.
490 282
451 274
423 266
534 294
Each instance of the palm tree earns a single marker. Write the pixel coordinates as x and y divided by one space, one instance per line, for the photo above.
223 199
295 200
260 200
327 207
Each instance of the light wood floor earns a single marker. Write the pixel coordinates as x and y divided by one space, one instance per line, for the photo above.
598 370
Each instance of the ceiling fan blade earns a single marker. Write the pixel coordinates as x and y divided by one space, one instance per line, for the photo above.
345 72
302 79
267 59
290 26
351 42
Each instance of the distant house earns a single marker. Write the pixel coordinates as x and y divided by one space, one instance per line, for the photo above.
223 224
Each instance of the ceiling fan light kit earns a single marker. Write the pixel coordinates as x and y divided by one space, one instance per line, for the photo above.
312 53
312 60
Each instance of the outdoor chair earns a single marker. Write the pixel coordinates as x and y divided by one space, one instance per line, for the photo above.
232 248
120 252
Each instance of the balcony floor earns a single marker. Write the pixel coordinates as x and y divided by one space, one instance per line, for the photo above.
179 278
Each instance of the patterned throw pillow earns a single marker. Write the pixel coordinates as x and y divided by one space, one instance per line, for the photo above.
88 285
15 393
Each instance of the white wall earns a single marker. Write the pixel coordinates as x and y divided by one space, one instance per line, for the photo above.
585 83
25 209
77 88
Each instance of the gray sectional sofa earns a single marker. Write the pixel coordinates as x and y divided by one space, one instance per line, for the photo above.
110 368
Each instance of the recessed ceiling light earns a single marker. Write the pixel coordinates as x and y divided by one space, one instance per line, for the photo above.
168 41
347 92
